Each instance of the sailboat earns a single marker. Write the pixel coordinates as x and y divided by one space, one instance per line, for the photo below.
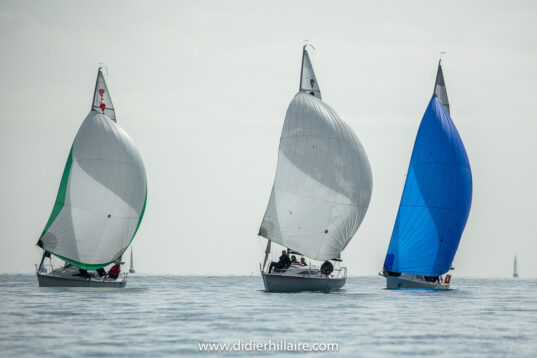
435 203
515 268
320 194
131 269
100 202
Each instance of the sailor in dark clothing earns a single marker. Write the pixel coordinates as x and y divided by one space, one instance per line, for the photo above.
83 273
293 260
327 268
283 263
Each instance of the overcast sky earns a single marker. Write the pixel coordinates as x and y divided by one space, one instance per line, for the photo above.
202 88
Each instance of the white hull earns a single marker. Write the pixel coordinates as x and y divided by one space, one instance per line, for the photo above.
303 278
71 278
393 282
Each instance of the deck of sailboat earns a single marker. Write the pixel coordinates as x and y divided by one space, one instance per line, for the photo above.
394 282
303 278
69 277
48 280
283 283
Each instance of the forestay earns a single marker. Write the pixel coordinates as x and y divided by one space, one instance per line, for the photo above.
436 199
102 195
323 182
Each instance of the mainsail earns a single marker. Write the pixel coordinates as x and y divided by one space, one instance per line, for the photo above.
436 199
440 87
102 195
102 102
308 81
323 181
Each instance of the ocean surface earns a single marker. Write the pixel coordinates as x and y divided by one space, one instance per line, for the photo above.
171 315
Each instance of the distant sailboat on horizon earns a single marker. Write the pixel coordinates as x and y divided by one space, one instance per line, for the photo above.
435 203
131 269
320 194
515 268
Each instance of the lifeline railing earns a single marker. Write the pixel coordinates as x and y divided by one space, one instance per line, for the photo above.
48 268
338 272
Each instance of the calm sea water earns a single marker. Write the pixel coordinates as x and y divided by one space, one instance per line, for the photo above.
169 315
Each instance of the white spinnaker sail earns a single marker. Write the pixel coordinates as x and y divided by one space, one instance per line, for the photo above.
102 102
440 88
102 196
323 182
308 81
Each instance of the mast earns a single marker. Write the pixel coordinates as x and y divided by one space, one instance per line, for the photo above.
440 87
45 254
267 252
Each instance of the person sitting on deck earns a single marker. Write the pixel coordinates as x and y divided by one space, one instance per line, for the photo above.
283 263
327 268
303 261
101 272
83 273
293 260
114 271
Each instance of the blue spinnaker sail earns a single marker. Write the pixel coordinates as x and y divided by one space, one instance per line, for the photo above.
436 199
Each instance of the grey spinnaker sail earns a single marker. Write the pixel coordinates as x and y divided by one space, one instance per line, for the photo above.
102 194
323 181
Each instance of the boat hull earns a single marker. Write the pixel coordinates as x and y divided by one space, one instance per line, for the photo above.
48 280
282 283
394 283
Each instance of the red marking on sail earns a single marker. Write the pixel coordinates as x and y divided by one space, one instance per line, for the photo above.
101 92
103 106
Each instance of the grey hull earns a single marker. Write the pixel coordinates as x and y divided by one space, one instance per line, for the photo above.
393 282
280 283
46 280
